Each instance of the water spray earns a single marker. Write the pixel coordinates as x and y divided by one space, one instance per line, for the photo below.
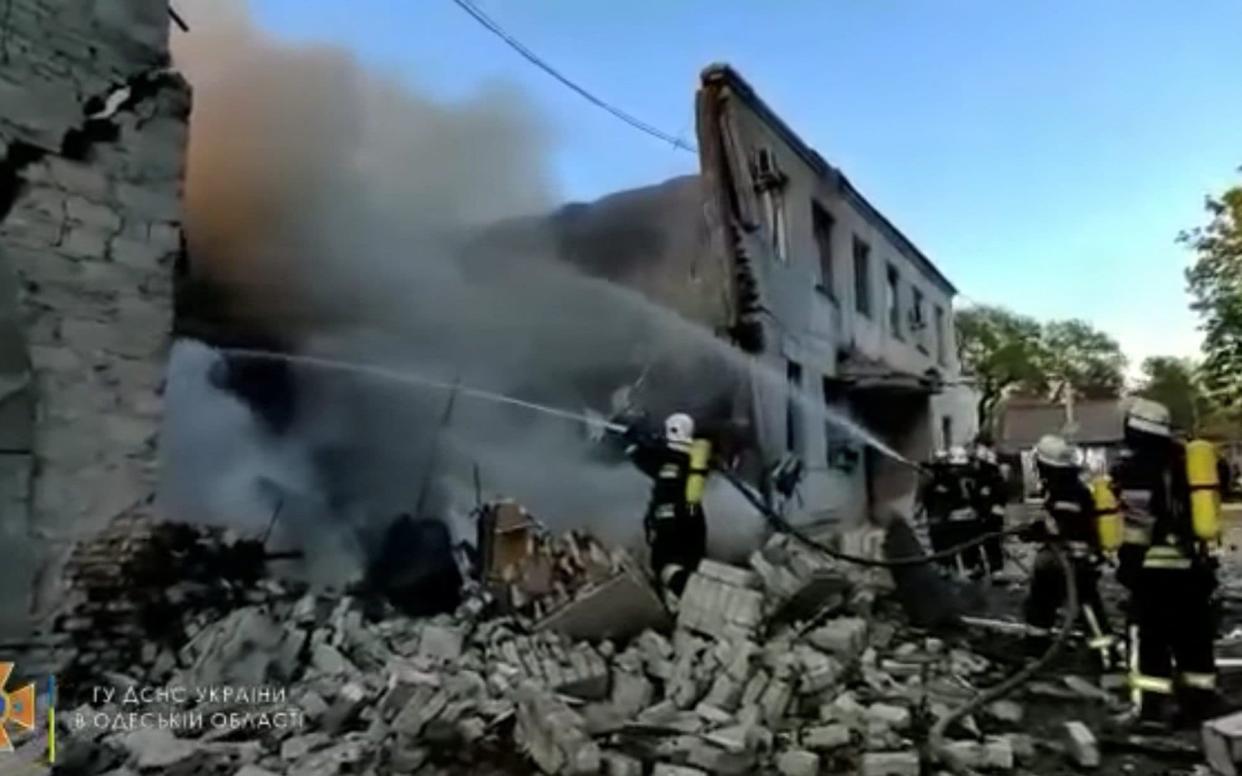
411 378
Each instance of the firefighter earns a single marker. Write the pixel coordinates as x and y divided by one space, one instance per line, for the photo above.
944 499
965 520
1071 523
988 498
1170 505
675 525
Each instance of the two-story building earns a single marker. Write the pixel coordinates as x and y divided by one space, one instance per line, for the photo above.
834 298
845 326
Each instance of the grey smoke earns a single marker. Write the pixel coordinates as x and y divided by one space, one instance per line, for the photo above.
343 209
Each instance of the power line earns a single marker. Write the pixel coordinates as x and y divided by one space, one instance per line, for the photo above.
530 56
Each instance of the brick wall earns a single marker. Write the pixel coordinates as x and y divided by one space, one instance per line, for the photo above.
92 154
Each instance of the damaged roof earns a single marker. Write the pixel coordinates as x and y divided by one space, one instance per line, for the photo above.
722 74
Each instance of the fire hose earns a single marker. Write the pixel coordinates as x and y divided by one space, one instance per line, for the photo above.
936 738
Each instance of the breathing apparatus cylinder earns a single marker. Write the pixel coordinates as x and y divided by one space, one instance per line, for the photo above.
1109 523
1204 489
700 454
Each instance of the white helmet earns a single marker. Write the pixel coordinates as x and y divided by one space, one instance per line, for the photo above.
1149 417
985 454
679 427
1052 450
958 456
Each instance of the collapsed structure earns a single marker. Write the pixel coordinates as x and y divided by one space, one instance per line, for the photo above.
92 151
756 677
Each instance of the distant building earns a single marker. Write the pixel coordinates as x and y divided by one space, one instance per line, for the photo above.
1096 428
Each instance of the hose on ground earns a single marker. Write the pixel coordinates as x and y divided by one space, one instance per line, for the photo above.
784 526
936 738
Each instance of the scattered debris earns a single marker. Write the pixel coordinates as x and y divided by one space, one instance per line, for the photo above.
1083 748
1222 744
528 667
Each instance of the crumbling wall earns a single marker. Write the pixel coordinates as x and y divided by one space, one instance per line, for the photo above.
92 139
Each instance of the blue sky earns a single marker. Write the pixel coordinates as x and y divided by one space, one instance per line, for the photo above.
1044 154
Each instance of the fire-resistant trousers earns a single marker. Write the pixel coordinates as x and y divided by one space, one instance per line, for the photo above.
1047 592
680 542
1176 630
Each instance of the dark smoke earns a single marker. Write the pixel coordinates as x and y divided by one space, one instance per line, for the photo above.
340 212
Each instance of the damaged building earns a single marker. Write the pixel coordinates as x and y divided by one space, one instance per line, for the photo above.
93 130
775 251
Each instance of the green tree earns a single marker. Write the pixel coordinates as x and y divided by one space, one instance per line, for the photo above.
1175 383
1215 282
1001 349
1076 354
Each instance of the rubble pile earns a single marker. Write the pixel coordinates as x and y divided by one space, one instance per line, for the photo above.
758 675
142 587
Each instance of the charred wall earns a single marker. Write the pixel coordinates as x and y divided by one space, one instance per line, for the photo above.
93 131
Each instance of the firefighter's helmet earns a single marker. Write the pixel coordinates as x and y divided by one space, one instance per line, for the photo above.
958 456
1149 417
1052 450
679 427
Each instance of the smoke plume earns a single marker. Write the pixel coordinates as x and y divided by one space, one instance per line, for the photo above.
342 210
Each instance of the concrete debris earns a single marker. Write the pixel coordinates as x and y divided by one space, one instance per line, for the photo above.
844 637
825 738
553 735
1006 711
718 608
904 763
1222 744
732 689
797 762
1083 748
994 754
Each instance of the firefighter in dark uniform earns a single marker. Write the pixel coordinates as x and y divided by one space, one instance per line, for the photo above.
1170 502
946 501
988 497
675 525
1071 523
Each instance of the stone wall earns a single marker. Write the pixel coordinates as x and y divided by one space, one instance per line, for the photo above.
93 129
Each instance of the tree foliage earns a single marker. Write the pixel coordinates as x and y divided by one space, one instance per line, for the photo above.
1175 383
1007 352
1001 349
1076 354
1215 282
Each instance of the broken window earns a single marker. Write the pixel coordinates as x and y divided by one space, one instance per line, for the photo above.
942 350
840 452
946 432
822 224
918 323
862 277
770 182
891 302
793 410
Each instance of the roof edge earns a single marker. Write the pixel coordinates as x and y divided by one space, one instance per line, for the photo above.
720 73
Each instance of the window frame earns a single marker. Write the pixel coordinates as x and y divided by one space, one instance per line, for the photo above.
942 346
892 290
822 217
862 279
919 332
794 433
